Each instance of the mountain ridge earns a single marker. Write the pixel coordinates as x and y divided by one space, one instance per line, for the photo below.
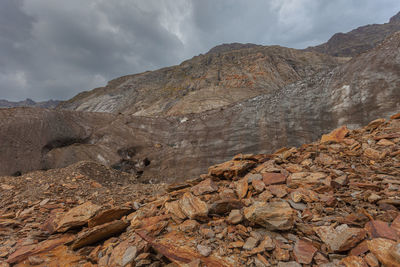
204 82
29 103
358 40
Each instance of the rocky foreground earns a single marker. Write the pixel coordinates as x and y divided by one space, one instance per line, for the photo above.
330 203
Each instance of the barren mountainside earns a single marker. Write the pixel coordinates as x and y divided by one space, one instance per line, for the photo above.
225 75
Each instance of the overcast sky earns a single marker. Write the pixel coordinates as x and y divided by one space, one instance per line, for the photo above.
54 49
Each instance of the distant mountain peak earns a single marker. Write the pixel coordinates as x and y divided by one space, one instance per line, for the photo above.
29 103
395 18
229 47
358 40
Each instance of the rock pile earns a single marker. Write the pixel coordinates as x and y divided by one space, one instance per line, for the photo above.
330 203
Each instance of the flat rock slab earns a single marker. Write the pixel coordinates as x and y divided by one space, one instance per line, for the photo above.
304 251
206 186
274 215
77 217
378 229
341 238
97 233
108 215
30 250
382 248
193 207
270 178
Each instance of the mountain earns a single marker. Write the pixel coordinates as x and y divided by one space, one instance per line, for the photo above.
359 40
176 148
29 103
226 74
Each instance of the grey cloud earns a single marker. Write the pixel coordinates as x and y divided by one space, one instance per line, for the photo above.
55 49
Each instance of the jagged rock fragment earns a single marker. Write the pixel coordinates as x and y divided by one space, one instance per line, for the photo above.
193 207
381 248
304 251
77 216
109 215
97 233
341 238
273 216
206 186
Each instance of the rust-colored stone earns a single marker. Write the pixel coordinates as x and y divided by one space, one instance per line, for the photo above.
206 186
77 217
193 207
354 261
378 229
336 135
304 251
341 238
270 178
109 215
273 216
29 250
381 248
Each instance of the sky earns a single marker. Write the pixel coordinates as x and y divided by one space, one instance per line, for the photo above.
54 49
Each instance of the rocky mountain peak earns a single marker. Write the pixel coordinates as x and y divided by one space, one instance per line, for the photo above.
29 103
395 19
358 40
231 46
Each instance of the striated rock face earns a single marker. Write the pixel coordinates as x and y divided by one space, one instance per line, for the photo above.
359 40
179 147
225 75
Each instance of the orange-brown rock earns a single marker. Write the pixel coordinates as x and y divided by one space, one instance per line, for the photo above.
98 233
396 225
341 238
382 248
206 186
29 250
270 178
273 215
123 254
224 206
77 217
304 251
241 188
193 207
108 215
231 169
336 135
354 261
377 228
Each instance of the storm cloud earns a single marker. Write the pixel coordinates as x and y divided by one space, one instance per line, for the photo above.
53 49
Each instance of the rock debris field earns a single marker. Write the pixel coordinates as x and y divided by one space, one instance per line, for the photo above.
334 202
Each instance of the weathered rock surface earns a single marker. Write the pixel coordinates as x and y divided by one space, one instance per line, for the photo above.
338 226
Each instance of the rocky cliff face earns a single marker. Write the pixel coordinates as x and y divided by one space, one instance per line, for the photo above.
359 40
225 75
179 147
